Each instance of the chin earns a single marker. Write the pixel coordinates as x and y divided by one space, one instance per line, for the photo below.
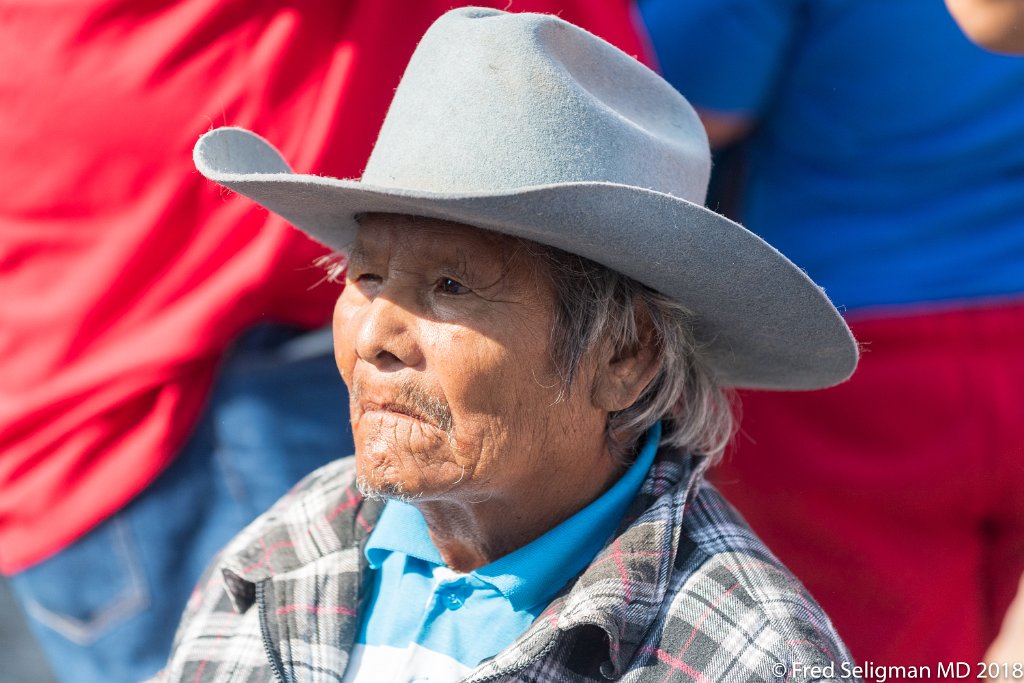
382 476
379 476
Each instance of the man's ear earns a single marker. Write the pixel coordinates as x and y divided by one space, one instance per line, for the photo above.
623 374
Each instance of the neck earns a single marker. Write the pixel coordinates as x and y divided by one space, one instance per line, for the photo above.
470 533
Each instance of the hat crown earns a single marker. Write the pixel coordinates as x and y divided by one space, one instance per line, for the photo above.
493 101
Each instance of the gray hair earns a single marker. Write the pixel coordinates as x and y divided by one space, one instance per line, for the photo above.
594 305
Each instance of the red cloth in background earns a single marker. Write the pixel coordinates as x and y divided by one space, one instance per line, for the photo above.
123 274
901 483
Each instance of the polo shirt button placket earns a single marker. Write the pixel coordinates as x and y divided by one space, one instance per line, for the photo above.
455 594
452 600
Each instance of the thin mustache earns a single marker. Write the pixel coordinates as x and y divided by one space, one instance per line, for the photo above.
413 401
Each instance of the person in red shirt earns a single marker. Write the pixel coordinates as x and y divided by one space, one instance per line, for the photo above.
152 329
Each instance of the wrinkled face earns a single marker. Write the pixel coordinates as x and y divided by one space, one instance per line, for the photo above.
441 335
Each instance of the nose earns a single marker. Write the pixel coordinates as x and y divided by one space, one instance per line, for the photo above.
385 335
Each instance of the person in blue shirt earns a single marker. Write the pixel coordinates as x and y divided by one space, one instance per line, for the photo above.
884 152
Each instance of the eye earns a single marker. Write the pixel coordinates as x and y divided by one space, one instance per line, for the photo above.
447 285
368 283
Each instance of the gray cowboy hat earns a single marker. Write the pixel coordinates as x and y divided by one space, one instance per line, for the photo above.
529 126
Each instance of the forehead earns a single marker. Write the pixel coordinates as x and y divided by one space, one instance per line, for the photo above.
388 236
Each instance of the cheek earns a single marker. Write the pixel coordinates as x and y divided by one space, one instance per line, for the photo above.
498 392
344 348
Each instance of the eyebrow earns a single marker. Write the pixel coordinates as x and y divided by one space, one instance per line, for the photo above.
458 263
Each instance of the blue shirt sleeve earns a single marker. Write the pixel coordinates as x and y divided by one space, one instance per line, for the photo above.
722 55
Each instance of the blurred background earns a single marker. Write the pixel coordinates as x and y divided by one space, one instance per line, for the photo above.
166 372
22 659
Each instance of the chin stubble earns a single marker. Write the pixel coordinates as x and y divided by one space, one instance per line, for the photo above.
394 491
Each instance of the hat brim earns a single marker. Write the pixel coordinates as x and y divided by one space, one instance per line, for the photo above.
761 320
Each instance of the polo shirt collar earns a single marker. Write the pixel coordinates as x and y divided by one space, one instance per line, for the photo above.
529 576
401 529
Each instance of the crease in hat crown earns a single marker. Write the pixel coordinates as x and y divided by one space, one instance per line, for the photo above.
533 127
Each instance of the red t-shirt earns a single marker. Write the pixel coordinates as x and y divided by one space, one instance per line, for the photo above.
123 273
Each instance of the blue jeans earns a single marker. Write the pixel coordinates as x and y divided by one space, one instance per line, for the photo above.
105 608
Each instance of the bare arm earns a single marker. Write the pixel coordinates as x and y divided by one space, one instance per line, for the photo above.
1008 646
997 25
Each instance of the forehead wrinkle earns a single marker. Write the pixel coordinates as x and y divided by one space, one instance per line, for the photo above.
507 268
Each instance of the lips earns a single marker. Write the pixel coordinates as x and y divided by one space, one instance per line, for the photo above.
390 407
405 399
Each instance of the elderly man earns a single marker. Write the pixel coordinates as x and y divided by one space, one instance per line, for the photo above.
538 329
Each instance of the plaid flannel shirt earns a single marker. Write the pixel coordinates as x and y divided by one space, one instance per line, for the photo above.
684 592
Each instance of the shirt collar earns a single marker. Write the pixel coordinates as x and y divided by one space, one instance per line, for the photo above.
401 529
530 576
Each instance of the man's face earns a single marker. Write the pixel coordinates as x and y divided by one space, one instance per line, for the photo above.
441 335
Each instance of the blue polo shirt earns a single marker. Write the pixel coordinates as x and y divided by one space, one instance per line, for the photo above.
425 622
